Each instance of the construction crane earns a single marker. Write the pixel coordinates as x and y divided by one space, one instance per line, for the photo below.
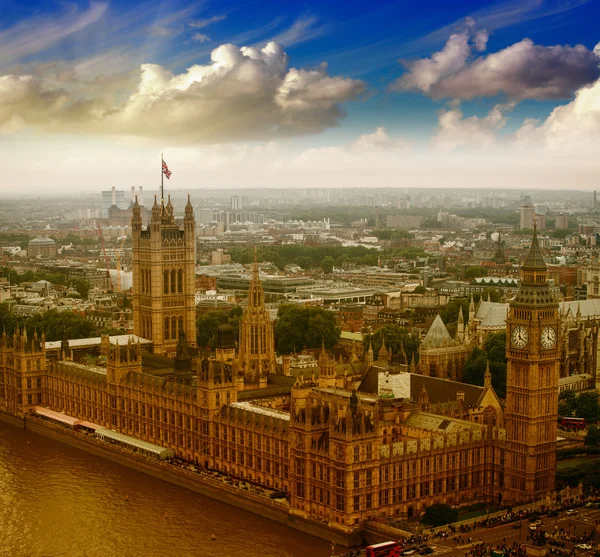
118 253
104 252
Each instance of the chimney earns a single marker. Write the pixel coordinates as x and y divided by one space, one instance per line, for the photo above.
141 195
113 200
132 194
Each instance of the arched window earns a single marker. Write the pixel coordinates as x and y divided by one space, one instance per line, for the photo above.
37 364
148 281
356 453
173 327
143 281
166 331
596 286
28 365
369 451
180 325
166 282
180 280
217 399
173 281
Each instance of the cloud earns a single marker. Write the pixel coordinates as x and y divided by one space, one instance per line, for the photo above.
243 93
379 140
573 127
520 71
37 33
303 29
159 31
475 133
202 23
201 37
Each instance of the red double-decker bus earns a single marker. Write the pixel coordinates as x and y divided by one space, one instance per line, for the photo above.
573 423
385 549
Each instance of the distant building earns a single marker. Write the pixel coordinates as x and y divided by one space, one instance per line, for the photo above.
218 257
527 214
236 202
562 221
404 221
45 247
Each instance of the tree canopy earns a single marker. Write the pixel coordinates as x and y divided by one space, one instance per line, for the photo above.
439 514
495 350
396 338
207 324
55 324
584 405
299 327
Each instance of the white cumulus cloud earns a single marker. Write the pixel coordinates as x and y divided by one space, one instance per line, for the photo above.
475 133
242 93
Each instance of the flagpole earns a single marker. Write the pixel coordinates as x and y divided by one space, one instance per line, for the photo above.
162 178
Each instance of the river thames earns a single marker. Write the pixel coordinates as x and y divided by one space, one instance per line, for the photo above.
56 500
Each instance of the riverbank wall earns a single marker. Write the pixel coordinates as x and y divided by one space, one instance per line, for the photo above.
215 489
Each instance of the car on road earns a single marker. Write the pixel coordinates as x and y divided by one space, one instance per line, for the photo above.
425 550
538 522
553 513
589 505
572 512
408 552
517 525
533 527
585 546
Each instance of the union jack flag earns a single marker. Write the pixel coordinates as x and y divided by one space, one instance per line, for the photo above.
165 170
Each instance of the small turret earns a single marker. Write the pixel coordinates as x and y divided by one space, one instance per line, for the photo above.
487 378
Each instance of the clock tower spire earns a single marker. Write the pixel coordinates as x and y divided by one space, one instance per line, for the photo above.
532 356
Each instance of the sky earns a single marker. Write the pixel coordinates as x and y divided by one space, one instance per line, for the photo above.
330 93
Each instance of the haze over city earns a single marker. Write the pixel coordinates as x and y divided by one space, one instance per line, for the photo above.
322 94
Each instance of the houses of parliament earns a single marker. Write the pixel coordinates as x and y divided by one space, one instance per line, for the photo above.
357 440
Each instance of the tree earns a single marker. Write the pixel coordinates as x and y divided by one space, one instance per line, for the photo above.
420 289
208 323
567 403
396 339
474 271
592 438
327 265
495 351
304 261
299 327
439 514
55 324
82 286
587 406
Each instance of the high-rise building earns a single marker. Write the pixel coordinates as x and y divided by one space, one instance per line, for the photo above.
527 214
257 344
533 367
163 267
236 202
562 221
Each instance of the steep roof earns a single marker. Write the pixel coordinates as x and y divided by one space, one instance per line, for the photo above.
437 335
535 260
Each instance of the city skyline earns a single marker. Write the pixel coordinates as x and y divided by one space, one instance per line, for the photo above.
402 94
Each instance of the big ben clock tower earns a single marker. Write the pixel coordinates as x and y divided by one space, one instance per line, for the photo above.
532 354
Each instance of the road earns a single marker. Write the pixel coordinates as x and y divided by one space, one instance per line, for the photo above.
585 521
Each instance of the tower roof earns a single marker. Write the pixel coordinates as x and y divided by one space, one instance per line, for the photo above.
535 260
437 335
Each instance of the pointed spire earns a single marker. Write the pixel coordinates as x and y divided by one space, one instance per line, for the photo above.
487 378
535 260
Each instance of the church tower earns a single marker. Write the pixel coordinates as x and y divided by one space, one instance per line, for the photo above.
257 344
164 260
533 363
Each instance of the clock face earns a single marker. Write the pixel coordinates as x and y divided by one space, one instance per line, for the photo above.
519 337
548 338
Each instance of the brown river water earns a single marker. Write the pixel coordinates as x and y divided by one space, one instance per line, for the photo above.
56 500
